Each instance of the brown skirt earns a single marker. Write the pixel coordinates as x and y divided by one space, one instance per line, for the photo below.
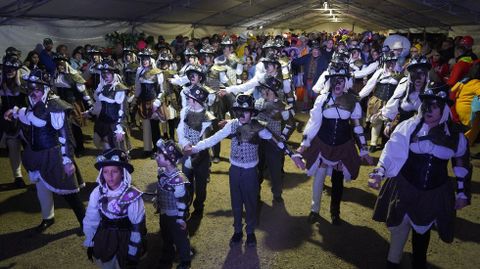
398 197
145 109
346 154
374 106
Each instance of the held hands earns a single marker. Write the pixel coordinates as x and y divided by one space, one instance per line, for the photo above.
8 115
460 203
376 178
188 150
183 224
119 137
222 123
297 159
69 169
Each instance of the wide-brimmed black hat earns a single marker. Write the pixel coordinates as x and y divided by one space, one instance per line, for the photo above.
437 90
146 53
36 77
195 68
418 62
107 65
114 157
190 52
170 150
57 57
198 93
12 62
207 49
271 83
338 72
244 102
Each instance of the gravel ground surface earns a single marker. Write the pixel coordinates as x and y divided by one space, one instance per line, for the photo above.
285 239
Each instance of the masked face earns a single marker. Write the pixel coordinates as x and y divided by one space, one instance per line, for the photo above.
145 61
194 78
36 94
419 78
10 72
267 94
192 59
271 67
390 65
107 76
244 116
338 85
432 111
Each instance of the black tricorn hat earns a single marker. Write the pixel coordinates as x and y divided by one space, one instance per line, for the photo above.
170 150
114 157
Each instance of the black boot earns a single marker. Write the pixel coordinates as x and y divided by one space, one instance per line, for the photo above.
19 183
44 225
337 192
419 249
392 265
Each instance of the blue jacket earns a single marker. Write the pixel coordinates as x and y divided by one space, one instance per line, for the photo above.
322 64
48 62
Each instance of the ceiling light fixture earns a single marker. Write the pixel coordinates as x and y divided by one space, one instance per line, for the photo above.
325 5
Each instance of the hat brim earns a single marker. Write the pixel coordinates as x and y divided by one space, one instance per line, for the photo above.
337 75
424 97
202 75
419 65
267 86
243 109
127 166
191 96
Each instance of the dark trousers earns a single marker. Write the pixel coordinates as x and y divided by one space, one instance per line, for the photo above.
198 176
271 157
172 234
78 137
419 249
217 147
76 204
155 130
243 193
172 125
337 192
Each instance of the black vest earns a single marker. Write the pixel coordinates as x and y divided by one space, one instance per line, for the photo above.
149 91
109 112
384 91
335 132
43 137
425 171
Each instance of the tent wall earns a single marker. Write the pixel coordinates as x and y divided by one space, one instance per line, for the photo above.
333 27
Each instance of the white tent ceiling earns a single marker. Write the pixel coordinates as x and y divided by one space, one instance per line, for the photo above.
24 23
300 14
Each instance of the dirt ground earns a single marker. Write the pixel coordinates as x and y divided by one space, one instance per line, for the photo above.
285 239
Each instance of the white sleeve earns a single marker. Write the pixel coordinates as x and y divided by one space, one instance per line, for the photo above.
287 86
179 81
396 150
390 110
314 122
368 88
357 112
367 70
58 119
92 218
252 83
216 138
320 83
21 114
182 140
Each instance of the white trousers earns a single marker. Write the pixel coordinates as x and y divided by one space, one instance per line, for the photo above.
45 197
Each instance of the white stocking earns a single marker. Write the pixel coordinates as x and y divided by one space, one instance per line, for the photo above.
45 197
398 238
317 188
147 135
